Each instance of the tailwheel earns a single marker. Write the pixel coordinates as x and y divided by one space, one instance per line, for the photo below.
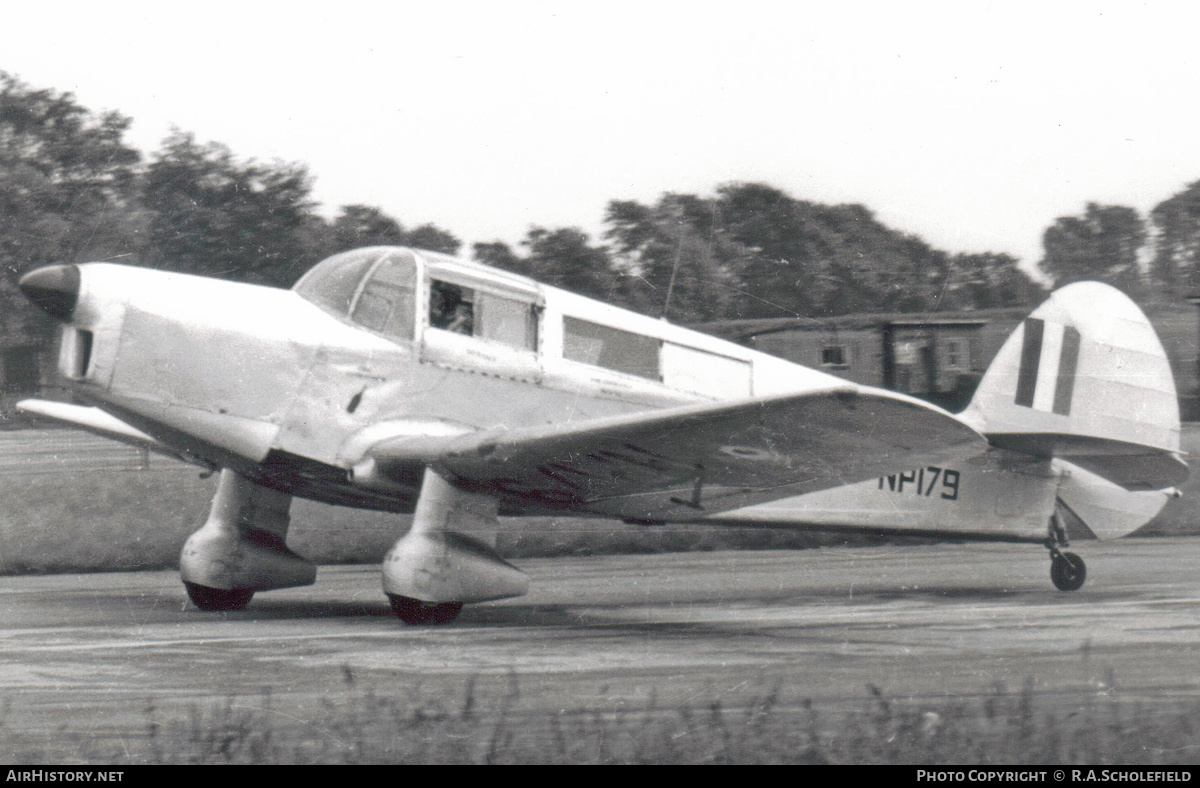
213 599
1067 570
416 611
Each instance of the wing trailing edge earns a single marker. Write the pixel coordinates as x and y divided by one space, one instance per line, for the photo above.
678 463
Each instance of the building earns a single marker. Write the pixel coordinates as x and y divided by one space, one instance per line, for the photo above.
938 357
26 351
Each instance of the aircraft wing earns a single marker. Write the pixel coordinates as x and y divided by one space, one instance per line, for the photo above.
98 422
680 463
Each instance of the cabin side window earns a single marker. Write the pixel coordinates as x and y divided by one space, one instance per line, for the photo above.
478 313
612 348
702 372
452 308
508 321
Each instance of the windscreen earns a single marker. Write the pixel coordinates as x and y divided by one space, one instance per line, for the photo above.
374 287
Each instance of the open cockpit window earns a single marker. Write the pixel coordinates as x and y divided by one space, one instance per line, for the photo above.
479 313
452 307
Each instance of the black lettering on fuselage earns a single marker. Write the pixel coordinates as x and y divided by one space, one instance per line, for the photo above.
923 482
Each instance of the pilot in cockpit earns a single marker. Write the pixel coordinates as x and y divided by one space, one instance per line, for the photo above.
449 310
462 321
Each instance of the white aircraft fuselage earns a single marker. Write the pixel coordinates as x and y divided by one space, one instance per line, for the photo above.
384 362
271 384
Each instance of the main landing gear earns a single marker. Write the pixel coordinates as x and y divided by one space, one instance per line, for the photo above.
448 556
242 547
1067 570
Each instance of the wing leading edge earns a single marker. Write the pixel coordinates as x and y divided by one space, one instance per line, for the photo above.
682 463
97 422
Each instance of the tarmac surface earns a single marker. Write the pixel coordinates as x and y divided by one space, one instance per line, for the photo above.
91 653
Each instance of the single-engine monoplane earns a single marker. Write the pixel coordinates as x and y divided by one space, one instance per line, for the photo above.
410 381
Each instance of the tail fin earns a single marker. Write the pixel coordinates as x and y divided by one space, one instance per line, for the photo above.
1085 379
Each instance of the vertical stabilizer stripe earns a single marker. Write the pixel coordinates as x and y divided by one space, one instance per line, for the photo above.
1047 382
1031 357
1068 362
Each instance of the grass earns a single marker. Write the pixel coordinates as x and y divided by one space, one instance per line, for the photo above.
79 516
73 503
367 726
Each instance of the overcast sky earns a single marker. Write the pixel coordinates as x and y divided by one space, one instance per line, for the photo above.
973 125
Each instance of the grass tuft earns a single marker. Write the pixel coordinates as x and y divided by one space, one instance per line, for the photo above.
368 726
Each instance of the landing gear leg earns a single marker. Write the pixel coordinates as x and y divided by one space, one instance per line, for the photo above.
242 547
448 557
1067 570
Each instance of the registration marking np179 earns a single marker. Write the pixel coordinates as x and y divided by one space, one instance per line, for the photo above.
923 482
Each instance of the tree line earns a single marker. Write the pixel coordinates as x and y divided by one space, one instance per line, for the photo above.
72 189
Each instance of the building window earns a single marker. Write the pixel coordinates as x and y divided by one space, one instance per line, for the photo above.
958 354
834 356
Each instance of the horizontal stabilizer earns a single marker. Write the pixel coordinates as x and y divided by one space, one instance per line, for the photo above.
1129 465
673 464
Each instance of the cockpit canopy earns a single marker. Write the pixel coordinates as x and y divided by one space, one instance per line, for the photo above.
471 316
375 287
380 288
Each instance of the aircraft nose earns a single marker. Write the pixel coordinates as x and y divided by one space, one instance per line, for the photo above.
54 288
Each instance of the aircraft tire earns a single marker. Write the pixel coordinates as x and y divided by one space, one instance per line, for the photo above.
1067 571
217 599
416 611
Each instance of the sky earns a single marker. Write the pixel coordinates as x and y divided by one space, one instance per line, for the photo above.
971 124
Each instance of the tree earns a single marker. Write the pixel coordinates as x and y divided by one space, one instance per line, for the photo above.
434 238
500 255
565 258
67 190
362 225
357 226
1175 267
1102 244
784 255
215 215
675 257
986 280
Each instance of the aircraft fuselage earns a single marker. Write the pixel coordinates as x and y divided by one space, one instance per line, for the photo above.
289 387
